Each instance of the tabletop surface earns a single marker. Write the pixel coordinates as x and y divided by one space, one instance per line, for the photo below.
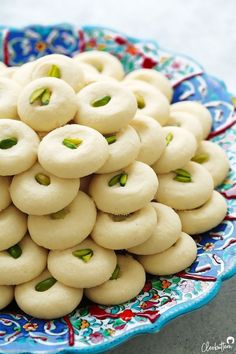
204 30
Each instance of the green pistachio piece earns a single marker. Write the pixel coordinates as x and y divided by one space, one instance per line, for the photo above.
36 95
123 179
72 143
183 173
61 214
114 180
45 284
116 273
169 138
140 101
111 139
201 158
84 254
101 102
182 179
15 251
45 98
55 71
8 143
43 179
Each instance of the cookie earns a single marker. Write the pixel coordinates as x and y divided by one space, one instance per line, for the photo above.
205 217
18 147
124 147
153 77
84 266
125 284
125 191
44 297
9 92
73 151
151 136
180 148
105 106
47 103
6 295
22 263
120 232
197 109
38 192
175 259
188 188
13 227
5 199
151 102
166 232
66 228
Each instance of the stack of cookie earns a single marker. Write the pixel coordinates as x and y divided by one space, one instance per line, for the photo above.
93 163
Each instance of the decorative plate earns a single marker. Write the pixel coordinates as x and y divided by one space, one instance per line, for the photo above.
94 328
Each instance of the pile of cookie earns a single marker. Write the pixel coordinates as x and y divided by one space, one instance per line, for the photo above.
101 181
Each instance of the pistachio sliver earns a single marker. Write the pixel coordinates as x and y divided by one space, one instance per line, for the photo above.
116 273
61 214
45 98
72 143
15 251
123 179
45 284
183 173
140 101
114 180
43 179
201 158
183 179
169 138
55 71
8 143
111 139
101 102
36 95
84 254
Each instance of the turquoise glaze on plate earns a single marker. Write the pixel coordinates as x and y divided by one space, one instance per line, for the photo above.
92 328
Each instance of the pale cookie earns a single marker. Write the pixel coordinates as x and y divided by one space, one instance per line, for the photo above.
196 108
153 77
151 102
47 103
18 147
180 192
105 63
151 136
205 217
2 66
22 262
73 151
44 297
128 281
175 259
9 92
84 183
23 73
105 106
66 228
124 147
37 192
166 232
125 191
214 159
120 232
186 121
13 227
6 295
180 148
61 67
84 266
5 198
91 75
8 72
